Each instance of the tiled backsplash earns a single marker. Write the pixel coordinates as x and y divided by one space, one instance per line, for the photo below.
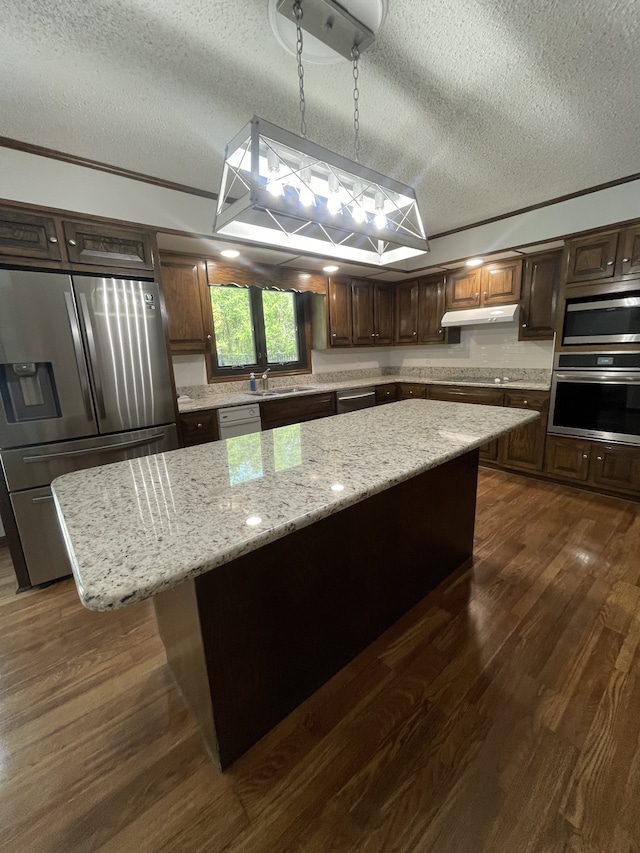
486 351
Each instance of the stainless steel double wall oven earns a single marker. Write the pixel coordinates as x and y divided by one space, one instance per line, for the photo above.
84 380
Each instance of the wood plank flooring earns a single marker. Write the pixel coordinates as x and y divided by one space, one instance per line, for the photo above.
501 715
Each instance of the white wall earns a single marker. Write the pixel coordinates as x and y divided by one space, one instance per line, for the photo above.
43 181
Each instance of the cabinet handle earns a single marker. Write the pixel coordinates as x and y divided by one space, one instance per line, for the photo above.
609 263
485 294
53 239
477 296
334 335
439 331
625 260
414 333
584 456
199 426
524 325
208 337
526 402
72 242
599 458
372 335
377 334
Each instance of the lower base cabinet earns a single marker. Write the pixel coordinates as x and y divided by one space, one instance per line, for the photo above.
411 391
295 410
612 467
483 396
523 448
386 393
199 427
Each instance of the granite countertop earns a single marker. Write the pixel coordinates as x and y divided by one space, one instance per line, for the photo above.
136 528
220 401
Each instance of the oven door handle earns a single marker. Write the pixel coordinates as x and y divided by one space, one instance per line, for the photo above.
616 379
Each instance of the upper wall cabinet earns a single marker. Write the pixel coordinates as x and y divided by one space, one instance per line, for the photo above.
339 313
186 296
372 313
496 283
55 242
540 282
611 254
420 305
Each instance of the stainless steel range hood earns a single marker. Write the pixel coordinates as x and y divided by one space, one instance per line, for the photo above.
481 316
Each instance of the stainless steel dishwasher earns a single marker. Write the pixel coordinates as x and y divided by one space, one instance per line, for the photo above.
238 420
355 398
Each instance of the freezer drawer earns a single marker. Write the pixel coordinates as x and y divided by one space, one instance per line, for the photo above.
40 534
29 467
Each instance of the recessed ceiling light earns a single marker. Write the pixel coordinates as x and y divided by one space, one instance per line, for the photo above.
230 253
474 262
331 268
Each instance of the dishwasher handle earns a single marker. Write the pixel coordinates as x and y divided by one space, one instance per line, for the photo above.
357 397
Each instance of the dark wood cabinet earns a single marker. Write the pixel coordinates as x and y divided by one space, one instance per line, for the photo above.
482 396
500 282
294 410
406 312
592 258
432 297
339 312
609 467
383 312
411 391
464 288
104 246
538 303
386 393
27 235
372 313
186 295
496 283
523 448
630 252
198 427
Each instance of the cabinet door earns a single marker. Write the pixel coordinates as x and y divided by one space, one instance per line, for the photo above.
23 235
103 246
592 258
501 282
363 334
630 250
431 307
383 313
406 313
463 289
339 313
523 448
489 451
186 294
567 458
199 427
616 468
539 297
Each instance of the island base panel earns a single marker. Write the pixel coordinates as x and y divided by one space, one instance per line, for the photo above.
278 622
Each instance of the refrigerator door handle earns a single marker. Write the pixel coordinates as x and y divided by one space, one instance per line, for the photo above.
138 442
79 354
95 364
42 500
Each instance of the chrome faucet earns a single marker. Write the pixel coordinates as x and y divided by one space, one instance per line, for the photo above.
265 380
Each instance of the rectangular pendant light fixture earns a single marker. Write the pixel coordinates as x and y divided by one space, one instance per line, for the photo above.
280 189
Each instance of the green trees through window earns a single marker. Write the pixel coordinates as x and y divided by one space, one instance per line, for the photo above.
256 329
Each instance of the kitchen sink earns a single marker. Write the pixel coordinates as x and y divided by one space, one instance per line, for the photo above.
276 392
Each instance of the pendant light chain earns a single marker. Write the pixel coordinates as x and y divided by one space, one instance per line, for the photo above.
297 11
355 55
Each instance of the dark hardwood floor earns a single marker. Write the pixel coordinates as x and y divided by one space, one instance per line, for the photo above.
501 715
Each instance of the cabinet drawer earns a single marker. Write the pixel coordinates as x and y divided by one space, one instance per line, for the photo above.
386 393
538 400
199 427
409 390
458 394
293 410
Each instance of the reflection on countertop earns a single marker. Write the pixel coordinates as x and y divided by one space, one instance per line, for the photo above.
136 528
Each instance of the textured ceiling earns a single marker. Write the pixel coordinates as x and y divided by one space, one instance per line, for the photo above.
485 106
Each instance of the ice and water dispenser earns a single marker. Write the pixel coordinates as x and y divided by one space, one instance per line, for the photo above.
28 391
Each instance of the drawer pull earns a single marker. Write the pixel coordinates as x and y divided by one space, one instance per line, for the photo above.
53 239
72 243
584 456
199 426
599 458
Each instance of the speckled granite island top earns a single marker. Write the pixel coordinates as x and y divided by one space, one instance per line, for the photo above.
136 528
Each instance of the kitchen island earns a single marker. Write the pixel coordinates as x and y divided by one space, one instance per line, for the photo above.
275 557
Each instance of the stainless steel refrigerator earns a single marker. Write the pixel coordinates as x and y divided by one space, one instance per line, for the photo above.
84 380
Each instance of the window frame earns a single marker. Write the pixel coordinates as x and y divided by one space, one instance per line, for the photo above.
216 372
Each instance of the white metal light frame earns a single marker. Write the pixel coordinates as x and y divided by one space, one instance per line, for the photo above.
280 189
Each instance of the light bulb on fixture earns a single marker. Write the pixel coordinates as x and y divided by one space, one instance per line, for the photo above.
273 166
357 210
307 198
333 201
380 219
